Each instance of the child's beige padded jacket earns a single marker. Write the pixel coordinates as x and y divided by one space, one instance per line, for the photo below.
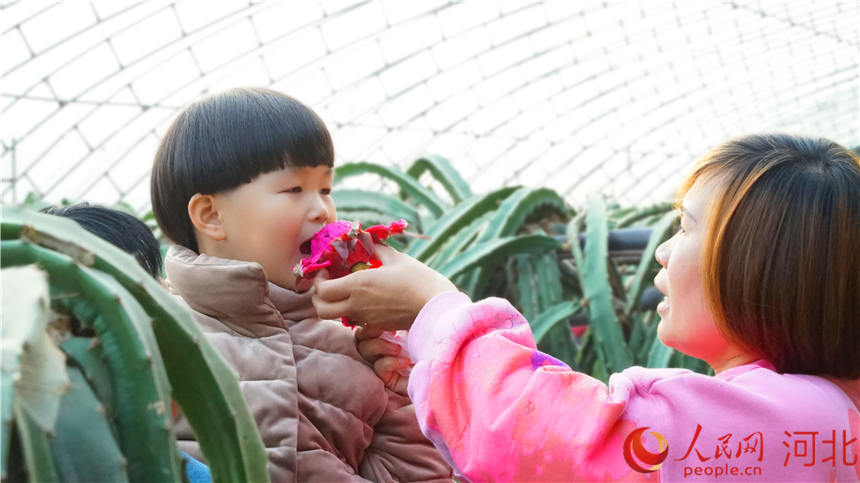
322 412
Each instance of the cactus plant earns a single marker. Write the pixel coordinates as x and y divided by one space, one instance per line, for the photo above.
146 349
530 246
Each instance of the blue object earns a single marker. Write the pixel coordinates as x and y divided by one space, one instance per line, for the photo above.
196 471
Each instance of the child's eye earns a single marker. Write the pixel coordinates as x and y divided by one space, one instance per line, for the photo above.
294 189
326 191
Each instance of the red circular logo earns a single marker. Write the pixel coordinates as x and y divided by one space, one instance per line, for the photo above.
638 457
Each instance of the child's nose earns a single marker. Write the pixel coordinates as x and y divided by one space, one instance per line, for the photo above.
319 212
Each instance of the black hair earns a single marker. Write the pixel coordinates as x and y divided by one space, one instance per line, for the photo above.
118 228
226 140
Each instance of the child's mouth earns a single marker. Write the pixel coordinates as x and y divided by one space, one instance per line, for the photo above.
305 248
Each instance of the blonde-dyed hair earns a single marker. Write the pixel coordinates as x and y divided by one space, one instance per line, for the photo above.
781 260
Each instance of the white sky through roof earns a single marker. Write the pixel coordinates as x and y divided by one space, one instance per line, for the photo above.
617 98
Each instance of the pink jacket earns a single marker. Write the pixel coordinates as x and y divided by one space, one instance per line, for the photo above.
500 410
322 412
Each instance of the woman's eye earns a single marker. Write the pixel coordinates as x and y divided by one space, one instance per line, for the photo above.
326 191
681 222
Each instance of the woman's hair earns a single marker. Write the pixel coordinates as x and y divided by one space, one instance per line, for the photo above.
226 140
781 258
118 228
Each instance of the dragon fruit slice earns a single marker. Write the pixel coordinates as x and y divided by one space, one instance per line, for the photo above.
344 247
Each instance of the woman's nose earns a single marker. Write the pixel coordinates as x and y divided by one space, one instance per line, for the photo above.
662 253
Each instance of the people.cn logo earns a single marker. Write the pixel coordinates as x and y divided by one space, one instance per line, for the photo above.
638 457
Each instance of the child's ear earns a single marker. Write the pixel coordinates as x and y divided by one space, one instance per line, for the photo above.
203 212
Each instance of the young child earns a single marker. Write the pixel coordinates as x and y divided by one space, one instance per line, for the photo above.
125 231
117 227
762 281
241 182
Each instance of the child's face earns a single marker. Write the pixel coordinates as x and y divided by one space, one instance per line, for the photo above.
686 322
267 220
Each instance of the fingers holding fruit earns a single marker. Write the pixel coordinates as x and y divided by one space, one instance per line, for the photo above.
394 373
374 349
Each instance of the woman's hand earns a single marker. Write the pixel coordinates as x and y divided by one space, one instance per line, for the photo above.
390 362
385 298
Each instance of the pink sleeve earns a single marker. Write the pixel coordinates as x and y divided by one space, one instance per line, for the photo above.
499 409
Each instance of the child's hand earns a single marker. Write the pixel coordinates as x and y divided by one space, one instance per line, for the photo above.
390 362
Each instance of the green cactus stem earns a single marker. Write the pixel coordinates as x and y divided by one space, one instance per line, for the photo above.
84 447
204 386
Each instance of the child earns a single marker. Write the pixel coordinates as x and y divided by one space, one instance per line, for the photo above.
117 227
135 238
241 182
761 282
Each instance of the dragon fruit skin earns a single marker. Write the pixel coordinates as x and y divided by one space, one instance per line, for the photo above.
382 232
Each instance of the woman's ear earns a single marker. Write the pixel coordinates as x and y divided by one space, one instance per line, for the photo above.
203 211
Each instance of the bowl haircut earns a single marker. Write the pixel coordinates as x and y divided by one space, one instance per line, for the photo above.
226 140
